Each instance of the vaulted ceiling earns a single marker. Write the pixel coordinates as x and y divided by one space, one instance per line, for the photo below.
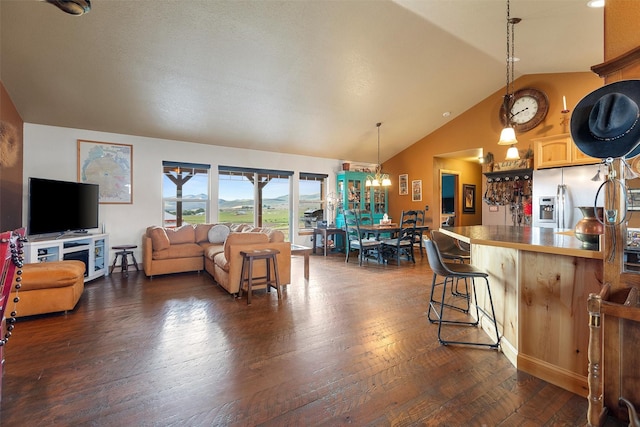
305 77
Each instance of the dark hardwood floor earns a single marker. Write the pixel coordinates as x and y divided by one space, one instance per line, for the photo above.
350 346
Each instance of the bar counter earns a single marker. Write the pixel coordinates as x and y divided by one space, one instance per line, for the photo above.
540 281
534 239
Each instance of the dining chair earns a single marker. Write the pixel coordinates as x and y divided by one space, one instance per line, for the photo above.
402 244
451 271
417 238
366 218
366 247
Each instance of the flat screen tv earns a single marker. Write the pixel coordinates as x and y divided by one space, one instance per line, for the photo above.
61 206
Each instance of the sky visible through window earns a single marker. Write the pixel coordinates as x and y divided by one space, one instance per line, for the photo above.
237 190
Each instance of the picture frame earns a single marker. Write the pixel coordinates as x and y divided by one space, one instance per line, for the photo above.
633 199
109 165
416 190
469 198
403 184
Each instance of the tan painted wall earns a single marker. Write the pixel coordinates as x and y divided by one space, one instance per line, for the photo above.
479 127
621 27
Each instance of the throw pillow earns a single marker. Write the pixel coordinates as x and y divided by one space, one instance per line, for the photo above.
218 233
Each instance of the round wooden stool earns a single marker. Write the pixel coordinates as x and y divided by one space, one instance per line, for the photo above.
246 274
123 251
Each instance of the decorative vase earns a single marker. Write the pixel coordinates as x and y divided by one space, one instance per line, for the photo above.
589 228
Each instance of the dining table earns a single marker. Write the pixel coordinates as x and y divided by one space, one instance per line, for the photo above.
391 230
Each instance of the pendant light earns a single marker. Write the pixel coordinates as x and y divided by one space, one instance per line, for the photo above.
508 134
379 179
72 7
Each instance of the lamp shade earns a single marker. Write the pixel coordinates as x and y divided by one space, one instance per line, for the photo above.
507 136
512 153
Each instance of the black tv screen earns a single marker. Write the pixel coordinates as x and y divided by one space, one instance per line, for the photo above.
60 206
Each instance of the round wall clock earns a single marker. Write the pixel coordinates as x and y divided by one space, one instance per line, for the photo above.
529 107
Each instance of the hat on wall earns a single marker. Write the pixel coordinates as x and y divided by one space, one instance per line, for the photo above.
606 122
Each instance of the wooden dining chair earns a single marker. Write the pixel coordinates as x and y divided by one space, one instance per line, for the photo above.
366 248
402 244
417 239
365 218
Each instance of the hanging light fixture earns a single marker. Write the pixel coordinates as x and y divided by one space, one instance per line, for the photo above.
508 134
72 7
379 179
513 153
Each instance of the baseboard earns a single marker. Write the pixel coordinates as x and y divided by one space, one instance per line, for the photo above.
561 377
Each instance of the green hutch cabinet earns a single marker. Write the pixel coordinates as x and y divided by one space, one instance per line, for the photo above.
353 194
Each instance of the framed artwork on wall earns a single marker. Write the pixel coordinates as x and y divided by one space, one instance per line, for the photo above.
403 184
416 190
468 198
108 165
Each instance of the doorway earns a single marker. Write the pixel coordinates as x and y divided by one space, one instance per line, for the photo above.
449 197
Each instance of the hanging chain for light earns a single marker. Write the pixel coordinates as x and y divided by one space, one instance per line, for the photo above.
378 125
510 63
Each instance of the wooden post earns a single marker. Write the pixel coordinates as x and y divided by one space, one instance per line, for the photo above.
596 411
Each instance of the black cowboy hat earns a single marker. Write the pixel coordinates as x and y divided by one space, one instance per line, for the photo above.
606 122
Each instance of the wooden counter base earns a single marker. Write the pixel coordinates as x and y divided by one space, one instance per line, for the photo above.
540 292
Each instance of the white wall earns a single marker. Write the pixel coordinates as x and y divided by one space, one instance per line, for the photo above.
51 152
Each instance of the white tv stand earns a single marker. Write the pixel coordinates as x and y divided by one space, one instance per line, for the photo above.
92 249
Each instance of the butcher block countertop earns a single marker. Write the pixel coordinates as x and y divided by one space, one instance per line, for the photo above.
534 239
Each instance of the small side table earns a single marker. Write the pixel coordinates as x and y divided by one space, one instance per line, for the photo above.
305 251
246 274
123 251
325 233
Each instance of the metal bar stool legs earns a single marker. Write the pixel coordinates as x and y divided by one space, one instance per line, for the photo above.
451 273
436 312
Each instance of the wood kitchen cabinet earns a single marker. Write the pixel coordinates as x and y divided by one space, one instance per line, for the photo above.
559 150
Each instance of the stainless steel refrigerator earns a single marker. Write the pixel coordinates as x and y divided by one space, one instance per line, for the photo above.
558 192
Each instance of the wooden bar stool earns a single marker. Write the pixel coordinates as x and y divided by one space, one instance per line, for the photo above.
123 252
246 275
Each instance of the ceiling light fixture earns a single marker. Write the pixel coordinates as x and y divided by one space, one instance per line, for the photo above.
508 134
72 7
595 3
379 179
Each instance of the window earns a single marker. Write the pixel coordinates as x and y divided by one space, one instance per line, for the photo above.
185 193
310 199
255 196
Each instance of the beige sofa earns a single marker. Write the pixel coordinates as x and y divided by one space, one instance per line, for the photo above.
213 247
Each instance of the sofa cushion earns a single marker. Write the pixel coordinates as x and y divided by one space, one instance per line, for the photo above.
275 236
238 228
202 232
55 274
221 261
184 234
243 238
218 233
180 250
212 249
159 238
